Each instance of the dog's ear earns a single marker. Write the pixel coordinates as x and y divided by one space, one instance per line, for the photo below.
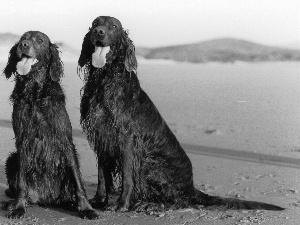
56 65
130 59
86 51
13 59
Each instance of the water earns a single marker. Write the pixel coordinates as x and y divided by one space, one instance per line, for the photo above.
253 107
249 107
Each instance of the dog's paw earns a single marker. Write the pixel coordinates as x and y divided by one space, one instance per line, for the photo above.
89 214
111 207
149 207
117 207
122 209
97 203
7 205
16 213
4 205
10 193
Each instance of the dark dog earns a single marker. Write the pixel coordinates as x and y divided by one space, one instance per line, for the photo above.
45 169
128 134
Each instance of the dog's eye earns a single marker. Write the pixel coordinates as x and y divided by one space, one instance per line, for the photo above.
40 41
22 38
94 24
113 26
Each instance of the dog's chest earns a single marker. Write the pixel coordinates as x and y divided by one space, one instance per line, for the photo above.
105 100
102 112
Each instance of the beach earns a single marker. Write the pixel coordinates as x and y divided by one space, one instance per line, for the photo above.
239 124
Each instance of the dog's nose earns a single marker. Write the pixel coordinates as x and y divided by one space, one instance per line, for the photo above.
25 44
99 31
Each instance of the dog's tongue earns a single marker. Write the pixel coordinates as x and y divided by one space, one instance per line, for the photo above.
99 56
24 66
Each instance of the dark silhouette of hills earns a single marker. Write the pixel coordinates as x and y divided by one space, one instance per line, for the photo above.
220 50
8 39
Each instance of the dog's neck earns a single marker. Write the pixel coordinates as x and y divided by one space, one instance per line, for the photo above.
34 87
112 81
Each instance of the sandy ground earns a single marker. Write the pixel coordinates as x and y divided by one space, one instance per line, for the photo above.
255 172
222 172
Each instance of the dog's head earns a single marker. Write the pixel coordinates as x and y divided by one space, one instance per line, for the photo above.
34 50
107 39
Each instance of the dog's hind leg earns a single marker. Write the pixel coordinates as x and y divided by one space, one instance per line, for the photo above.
11 170
19 209
16 184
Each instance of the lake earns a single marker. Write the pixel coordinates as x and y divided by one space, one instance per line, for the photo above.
242 106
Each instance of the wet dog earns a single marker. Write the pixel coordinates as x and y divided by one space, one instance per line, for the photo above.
45 169
128 134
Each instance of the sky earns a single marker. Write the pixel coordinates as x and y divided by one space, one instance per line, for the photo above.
155 23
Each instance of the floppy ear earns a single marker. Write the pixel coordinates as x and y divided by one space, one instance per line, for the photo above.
56 65
86 51
130 59
12 62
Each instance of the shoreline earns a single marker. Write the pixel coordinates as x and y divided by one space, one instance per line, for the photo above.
214 152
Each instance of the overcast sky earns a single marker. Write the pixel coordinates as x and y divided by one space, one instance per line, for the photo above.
158 22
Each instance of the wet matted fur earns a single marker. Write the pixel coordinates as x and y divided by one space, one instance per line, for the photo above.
45 169
128 134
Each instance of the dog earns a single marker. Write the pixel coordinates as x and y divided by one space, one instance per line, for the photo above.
129 136
44 169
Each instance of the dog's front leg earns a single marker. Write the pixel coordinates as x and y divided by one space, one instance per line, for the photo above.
84 207
101 198
127 180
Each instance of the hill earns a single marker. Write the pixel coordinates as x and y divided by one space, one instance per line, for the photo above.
220 50
7 39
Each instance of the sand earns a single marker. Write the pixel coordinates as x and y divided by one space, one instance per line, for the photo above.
221 166
216 172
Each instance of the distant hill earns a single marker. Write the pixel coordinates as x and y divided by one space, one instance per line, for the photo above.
293 45
68 53
7 40
220 50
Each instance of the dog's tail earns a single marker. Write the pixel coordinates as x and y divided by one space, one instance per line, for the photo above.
231 203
